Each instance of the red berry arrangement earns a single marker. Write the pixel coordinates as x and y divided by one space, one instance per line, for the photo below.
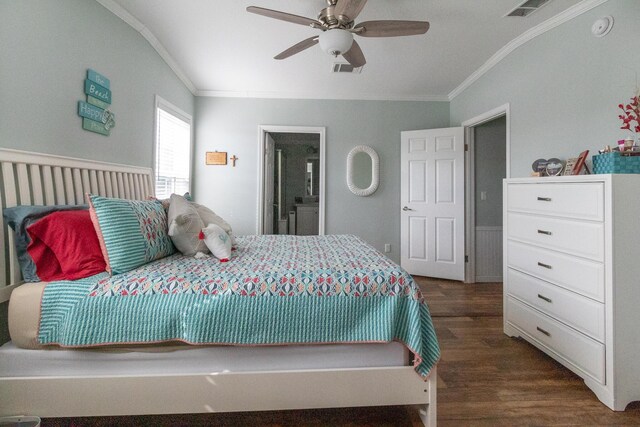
630 114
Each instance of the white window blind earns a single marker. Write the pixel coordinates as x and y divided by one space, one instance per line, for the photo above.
173 150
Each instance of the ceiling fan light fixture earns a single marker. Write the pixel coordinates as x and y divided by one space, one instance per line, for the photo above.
336 41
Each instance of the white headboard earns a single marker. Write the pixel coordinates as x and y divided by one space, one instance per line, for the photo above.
43 179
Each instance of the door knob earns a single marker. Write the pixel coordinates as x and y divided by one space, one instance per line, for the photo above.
406 209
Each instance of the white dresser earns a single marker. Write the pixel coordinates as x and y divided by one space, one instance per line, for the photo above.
572 276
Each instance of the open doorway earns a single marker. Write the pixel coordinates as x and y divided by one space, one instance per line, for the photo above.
295 179
486 166
291 180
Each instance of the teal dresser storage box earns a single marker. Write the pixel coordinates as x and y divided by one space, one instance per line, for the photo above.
615 163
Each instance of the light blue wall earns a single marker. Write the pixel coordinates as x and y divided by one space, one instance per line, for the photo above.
45 50
231 124
563 87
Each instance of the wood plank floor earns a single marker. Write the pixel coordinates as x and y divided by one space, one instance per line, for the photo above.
488 379
484 379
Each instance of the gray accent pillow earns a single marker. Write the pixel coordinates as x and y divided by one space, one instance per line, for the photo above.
185 226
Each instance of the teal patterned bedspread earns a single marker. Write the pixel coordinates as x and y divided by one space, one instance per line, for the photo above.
275 290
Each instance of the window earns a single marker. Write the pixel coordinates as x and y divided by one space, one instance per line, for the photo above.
172 150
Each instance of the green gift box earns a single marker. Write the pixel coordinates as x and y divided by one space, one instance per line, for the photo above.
615 163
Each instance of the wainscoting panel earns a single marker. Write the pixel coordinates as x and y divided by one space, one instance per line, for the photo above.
488 254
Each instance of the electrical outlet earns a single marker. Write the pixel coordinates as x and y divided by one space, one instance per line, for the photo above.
387 247
483 195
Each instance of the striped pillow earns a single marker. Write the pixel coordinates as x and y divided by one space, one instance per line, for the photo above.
131 232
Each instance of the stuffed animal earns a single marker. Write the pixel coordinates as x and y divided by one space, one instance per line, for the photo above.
210 217
218 241
184 226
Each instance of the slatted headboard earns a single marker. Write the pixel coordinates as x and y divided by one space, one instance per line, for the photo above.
43 179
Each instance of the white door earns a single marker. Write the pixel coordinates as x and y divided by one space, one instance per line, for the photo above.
269 160
432 203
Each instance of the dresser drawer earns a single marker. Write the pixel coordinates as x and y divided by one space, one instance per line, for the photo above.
579 350
576 274
574 237
577 200
583 314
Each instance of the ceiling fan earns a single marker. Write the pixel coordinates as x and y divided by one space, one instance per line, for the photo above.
336 22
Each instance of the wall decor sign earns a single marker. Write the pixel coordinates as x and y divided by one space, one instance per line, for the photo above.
216 158
89 111
95 90
95 113
98 78
95 101
93 126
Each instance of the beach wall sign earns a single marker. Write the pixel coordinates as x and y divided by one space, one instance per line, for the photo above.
95 113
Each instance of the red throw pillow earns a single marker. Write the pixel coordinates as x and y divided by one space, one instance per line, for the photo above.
47 265
69 239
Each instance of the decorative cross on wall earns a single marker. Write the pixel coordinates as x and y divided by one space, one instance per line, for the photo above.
233 160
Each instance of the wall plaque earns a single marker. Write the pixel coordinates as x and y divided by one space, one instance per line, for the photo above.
216 158
95 113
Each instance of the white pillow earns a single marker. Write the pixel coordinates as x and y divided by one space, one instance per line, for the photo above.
185 226
218 242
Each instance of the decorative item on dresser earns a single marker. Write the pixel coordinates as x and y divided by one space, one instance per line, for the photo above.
580 163
550 167
568 167
571 276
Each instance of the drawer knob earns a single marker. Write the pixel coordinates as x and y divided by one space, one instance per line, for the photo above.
543 331
544 199
542 297
543 265
545 232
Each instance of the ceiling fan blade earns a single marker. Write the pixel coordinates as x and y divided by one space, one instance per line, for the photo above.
283 16
349 8
355 56
297 48
391 28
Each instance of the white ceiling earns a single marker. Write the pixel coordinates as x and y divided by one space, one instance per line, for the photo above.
224 50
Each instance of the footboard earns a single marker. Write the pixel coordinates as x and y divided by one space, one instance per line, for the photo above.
218 392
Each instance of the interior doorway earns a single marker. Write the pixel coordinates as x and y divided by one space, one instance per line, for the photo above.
291 180
487 164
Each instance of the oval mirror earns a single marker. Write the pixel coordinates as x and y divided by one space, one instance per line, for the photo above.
363 166
362 170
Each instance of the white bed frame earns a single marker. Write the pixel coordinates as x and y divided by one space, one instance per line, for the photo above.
41 179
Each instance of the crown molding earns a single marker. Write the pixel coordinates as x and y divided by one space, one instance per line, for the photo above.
318 95
567 15
127 17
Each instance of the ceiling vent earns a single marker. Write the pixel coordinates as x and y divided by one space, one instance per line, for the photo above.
340 67
527 8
